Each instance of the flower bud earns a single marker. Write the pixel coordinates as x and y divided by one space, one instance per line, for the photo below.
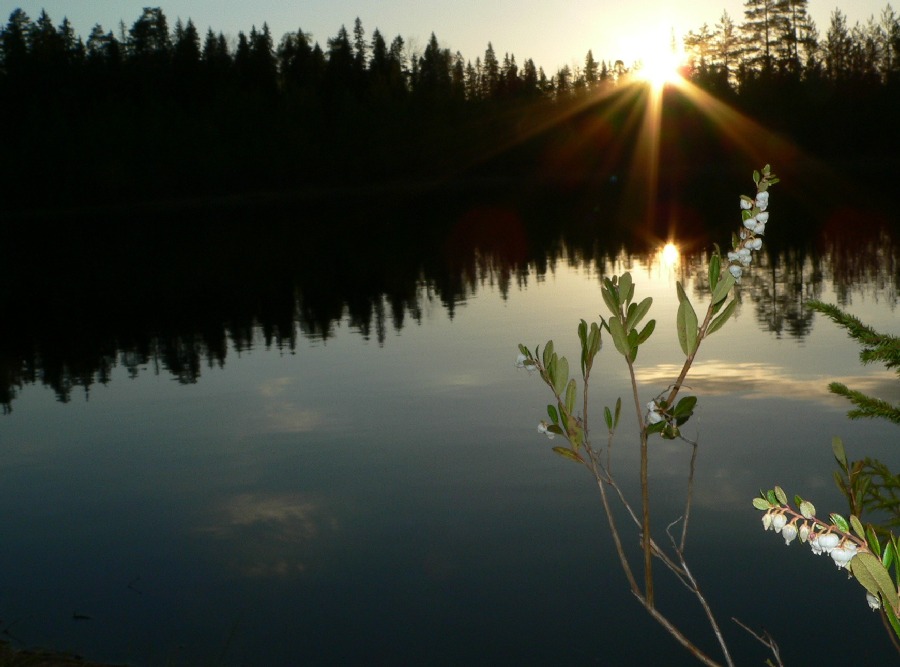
543 427
789 532
874 602
814 543
753 244
829 541
778 522
842 556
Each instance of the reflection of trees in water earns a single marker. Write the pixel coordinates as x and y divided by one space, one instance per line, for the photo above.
779 287
179 300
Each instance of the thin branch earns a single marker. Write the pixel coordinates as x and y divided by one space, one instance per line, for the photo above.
766 640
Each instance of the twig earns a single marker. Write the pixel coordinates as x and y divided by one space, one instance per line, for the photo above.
766 640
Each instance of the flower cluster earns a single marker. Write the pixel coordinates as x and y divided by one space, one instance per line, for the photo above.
524 362
544 427
655 413
834 540
755 218
821 539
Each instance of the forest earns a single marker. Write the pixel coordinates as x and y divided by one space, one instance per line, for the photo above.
157 112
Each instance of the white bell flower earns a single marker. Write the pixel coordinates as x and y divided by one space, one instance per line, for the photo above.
778 522
762 200
523 362
874 602
543 427
843 554
736 271
828 541
753 244
789 532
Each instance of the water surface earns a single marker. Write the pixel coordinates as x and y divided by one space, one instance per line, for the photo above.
312 449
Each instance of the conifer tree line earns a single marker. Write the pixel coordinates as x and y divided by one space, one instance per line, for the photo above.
778 40
166 107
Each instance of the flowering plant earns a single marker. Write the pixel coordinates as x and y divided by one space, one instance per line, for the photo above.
871 552
665 414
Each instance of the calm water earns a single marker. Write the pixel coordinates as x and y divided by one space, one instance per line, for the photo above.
288 452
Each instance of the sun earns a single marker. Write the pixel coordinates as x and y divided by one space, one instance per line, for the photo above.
660 58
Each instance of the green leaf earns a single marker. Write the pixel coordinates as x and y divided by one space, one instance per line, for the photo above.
687 327
761 503
714 270
594 341
755 176
889 555
646 331
607 415
554 415
618 412
548 353
670 432
874 545
892 619
837 446
619 338
857 527
771 497
723 287
562 376
567 453
840 522
780 495
807 509
686 407
637 312
719 321
873 576
611 299
626 288
679 289
571 391
656 428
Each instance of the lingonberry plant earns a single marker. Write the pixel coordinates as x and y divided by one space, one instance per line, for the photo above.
664 414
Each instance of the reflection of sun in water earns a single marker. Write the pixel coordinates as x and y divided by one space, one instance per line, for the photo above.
669 255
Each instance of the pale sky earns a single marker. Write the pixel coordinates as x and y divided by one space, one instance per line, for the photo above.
552 33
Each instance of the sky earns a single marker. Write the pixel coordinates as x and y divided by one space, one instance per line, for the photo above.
553 33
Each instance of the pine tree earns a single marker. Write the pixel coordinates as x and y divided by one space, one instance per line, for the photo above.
877 347
490 74
763 25
590 71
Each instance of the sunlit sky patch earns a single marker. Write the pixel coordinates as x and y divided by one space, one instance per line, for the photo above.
553 34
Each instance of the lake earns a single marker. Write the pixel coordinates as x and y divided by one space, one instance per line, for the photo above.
292 432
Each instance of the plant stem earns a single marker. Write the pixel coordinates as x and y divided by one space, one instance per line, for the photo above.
645 492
